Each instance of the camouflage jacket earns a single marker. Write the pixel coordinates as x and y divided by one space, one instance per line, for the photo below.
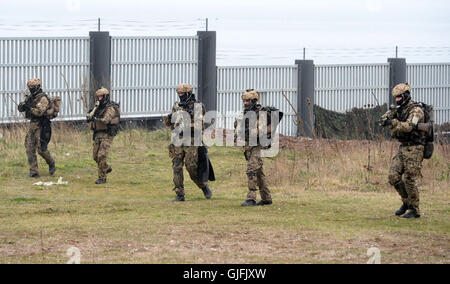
103 117
404 124
38 107
245 129
189 116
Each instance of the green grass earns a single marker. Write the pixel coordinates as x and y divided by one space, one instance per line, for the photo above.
330 213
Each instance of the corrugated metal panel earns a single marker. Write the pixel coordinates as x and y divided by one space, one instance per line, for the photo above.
269 81
431 85
343 87
146 70
55 61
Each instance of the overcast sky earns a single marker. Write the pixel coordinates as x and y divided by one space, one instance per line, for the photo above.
268 31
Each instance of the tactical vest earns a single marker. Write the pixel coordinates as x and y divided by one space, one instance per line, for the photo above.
189 108
36 100
266 128
99 126
415 137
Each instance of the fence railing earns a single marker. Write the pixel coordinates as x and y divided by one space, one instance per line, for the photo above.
343 87
271 82
431 85
146 70
62 64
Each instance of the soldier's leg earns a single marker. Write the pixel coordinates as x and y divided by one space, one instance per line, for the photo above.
191 160
263 187
413 167
44 152
177 155
31 142
395 177
103 152
95 148
254 164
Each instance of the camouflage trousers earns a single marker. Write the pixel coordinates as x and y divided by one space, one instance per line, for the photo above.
33 144
255 174
102 143
179 156
405 171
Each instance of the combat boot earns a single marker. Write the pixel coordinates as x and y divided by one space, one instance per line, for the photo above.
207 192
179 198
402 210
411 214
100 181
249 202
264 202
34 175
109 170
52 169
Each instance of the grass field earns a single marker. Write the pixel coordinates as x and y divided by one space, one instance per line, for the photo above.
331 204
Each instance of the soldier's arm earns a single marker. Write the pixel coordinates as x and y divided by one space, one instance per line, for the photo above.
168 119
40 108
199 116
109 114
410 124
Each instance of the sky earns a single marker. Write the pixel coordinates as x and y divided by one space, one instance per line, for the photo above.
255 32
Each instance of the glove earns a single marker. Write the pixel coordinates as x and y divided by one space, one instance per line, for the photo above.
89 118
26 106
21 107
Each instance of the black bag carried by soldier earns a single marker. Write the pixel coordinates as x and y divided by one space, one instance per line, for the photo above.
45 133
205 169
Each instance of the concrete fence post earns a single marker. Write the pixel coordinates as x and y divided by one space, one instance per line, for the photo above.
397 74
100 63
305 97
207 69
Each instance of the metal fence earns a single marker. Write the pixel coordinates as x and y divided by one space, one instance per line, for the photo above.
431 85
146 70
62 64
270 81
343 87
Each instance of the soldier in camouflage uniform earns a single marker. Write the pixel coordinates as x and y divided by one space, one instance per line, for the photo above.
252 153
39 132
407 164
103 122
186 154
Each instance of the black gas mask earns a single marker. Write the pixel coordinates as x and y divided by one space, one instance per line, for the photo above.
251 105
185 98
104 101
405 98
35 90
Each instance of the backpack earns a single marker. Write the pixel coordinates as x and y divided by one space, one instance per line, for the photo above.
428 111
113 126
53 107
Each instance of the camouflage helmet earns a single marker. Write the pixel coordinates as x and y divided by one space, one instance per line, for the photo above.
102 92
400 89
184 88
250 94
32 83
